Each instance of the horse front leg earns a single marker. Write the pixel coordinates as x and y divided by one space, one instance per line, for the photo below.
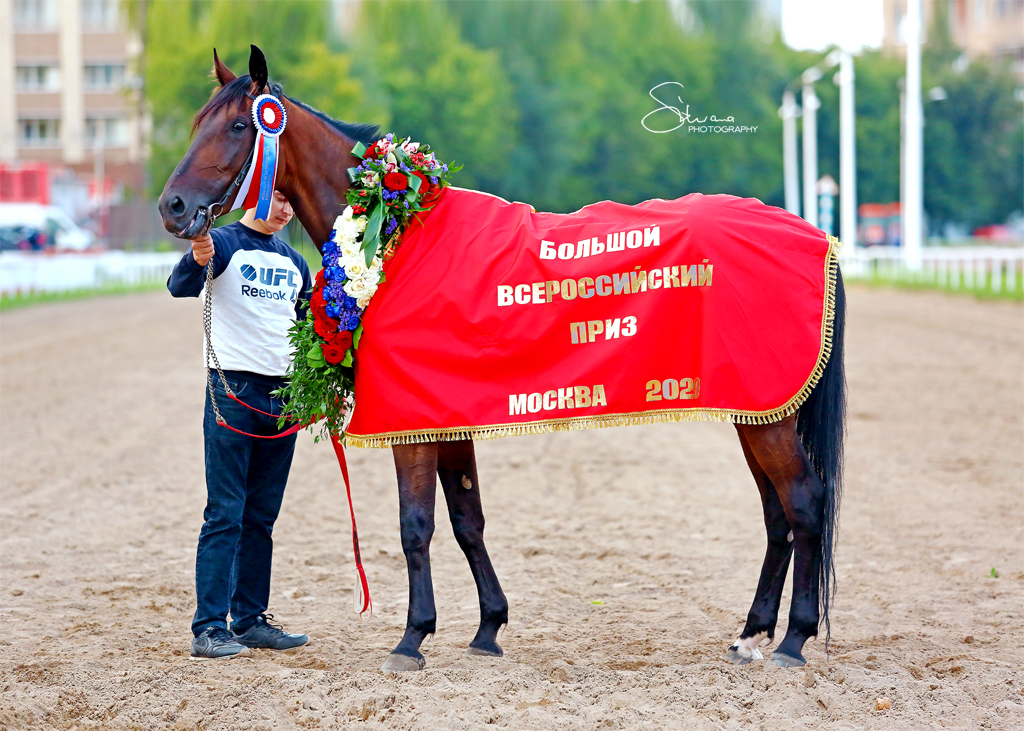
416 465
778 450
764 610
456 466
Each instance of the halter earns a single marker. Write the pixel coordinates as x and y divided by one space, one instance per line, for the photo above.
215 210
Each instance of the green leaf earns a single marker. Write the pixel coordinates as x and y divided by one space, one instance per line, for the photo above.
315 352
359 150
348 358
401 155
353 175
414 183
371 236
356 335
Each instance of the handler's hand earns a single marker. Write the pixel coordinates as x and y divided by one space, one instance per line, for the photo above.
202 249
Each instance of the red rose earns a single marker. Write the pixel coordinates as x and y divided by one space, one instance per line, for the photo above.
424 183
324 326
396 181
343 339
371 152
333 354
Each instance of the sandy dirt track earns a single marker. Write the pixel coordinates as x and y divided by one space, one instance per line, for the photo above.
101 499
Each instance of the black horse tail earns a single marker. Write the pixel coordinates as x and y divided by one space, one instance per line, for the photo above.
821 424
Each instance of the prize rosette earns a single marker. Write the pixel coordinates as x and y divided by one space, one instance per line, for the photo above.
269 115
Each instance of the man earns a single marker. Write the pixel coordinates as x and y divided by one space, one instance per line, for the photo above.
260 287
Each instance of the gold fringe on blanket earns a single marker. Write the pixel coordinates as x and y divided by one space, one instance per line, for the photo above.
579 423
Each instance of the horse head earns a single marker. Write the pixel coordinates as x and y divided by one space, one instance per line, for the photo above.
223 137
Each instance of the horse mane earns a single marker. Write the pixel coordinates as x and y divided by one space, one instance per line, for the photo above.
236 90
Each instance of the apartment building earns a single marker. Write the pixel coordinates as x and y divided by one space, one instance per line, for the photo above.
993 28
67 96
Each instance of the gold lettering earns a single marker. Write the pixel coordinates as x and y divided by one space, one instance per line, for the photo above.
550 288
538 293
582 397
603 285
578 331
568 289
594 328
565 399
705 274
688 277
654 279
599 397
671 276
639 281
621 283
549 400
611 328
585 289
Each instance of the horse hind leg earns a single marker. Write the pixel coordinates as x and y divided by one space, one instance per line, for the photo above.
780 453
764 611
416 465
457 469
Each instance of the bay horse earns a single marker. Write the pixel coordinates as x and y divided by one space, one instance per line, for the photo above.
796 462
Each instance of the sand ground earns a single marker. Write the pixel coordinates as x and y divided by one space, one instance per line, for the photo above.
102 499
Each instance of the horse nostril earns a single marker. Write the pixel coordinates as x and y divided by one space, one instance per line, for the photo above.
177 206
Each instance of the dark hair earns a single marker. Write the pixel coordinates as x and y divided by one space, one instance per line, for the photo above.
237 90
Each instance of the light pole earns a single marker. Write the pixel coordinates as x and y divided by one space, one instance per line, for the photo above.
810 108
912 206
789 111
847 153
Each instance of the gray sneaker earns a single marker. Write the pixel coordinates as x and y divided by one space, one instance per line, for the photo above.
215 643
266 636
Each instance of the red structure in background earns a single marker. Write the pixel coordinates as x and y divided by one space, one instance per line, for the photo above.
25 183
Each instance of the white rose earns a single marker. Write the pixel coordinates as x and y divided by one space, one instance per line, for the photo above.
363 301
347 215
372 279
356 288
361 224
350 251
375 265
349 230
355 267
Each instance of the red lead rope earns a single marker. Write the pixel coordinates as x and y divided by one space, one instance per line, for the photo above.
361 597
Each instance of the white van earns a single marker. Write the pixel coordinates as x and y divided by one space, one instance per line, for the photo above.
67 235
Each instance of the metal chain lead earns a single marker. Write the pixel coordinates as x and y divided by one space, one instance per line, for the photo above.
211 354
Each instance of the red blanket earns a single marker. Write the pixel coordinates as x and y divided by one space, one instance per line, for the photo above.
496 320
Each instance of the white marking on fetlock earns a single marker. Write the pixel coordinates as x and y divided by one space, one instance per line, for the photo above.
747 647
466 482
790 537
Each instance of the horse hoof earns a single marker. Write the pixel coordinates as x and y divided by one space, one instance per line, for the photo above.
480 652
734 656
402 664
787 661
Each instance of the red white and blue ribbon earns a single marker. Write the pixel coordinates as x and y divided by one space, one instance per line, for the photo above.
270 118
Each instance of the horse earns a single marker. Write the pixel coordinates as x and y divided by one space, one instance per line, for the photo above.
796 462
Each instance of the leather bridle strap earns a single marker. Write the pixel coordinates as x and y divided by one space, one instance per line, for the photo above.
216 209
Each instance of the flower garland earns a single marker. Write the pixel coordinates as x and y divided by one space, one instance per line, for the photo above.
395 181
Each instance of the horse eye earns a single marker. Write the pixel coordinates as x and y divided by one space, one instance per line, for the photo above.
238 126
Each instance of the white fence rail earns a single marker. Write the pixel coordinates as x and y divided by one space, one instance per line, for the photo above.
992 269
22 273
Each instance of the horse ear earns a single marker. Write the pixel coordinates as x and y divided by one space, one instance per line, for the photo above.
221 72
258 70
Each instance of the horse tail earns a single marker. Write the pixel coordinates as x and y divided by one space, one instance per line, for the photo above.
821 424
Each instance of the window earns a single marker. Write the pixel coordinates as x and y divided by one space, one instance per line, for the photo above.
35 14
99 15
104 77
37 78
39 132
108 131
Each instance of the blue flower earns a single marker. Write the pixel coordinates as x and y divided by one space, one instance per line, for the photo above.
433 180
445 168
330 259
334 311
335 293
349 303
392 225
330 247
334 273
350 322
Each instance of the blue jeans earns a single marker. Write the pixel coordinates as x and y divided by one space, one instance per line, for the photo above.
245 480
